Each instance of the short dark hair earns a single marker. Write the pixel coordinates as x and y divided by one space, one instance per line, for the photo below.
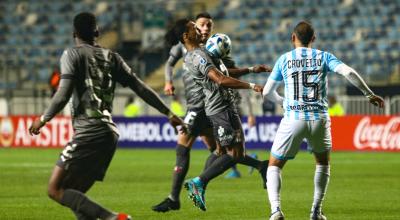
304 32
175 33
85 26
203 15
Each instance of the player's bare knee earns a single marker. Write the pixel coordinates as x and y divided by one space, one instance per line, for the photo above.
54 193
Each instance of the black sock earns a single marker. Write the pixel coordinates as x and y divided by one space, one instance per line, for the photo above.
220 165
250 161
180 170
80 216
234 167
211 158
78 202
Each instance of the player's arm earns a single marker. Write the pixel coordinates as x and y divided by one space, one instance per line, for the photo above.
270 92
351 75
238 72
215 75
273 82
62 95
174 55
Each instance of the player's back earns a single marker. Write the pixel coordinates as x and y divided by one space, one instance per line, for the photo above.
304 72
93 70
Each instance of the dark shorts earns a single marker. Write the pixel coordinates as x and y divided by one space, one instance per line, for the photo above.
89 160
227 127
197 122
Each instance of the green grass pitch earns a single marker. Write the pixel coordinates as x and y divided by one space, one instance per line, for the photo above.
362 186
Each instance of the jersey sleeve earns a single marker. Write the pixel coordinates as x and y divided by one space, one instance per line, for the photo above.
202 62
332 62
176 53
67 64
123 73
276 73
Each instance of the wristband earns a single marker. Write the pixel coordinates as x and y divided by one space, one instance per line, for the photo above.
370 95
42 120
251 69
252 85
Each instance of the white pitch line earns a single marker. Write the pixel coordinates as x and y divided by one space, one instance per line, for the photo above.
35 165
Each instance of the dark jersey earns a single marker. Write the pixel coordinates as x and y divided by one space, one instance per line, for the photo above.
193 95
217 98
94 71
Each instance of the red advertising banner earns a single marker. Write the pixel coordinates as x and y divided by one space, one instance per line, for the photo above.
14 132
366 133
349 133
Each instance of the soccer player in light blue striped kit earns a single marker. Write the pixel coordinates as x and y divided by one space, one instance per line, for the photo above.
304 73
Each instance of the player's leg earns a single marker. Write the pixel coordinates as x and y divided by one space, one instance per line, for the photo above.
74 199
183 147
320 141
194 121
286 145
76 171
227 129
208 139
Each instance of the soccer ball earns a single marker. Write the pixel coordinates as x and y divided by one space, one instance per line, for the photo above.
219 45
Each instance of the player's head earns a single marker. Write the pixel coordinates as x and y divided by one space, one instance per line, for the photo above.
303 33
85 26
184 31
205 23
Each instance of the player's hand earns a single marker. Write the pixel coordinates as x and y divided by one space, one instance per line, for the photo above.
251 121
175 121
262 68
169 88
258 88
376 100
35 127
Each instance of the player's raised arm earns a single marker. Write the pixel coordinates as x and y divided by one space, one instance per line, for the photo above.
351 75
215 75
174 55
238 72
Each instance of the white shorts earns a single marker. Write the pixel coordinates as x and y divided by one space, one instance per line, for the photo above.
291 133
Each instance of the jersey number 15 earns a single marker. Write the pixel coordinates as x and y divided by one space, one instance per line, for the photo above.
313 86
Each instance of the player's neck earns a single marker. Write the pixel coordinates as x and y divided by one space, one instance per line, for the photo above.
79 41
299 44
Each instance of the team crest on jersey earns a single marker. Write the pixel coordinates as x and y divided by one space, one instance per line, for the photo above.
202 61
221 131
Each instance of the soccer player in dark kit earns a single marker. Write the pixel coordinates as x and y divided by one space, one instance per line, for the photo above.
219 104
196 120
89 74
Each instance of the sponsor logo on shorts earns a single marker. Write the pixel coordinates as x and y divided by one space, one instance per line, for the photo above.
221 131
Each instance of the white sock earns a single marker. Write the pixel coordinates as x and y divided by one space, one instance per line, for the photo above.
321 180
274 181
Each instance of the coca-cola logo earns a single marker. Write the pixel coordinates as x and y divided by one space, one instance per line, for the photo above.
385 136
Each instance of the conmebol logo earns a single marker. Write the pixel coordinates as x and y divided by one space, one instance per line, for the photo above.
377 136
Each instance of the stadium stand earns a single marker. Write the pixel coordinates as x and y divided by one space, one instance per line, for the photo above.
362 33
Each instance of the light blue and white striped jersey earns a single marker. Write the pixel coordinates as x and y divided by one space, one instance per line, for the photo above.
304 72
